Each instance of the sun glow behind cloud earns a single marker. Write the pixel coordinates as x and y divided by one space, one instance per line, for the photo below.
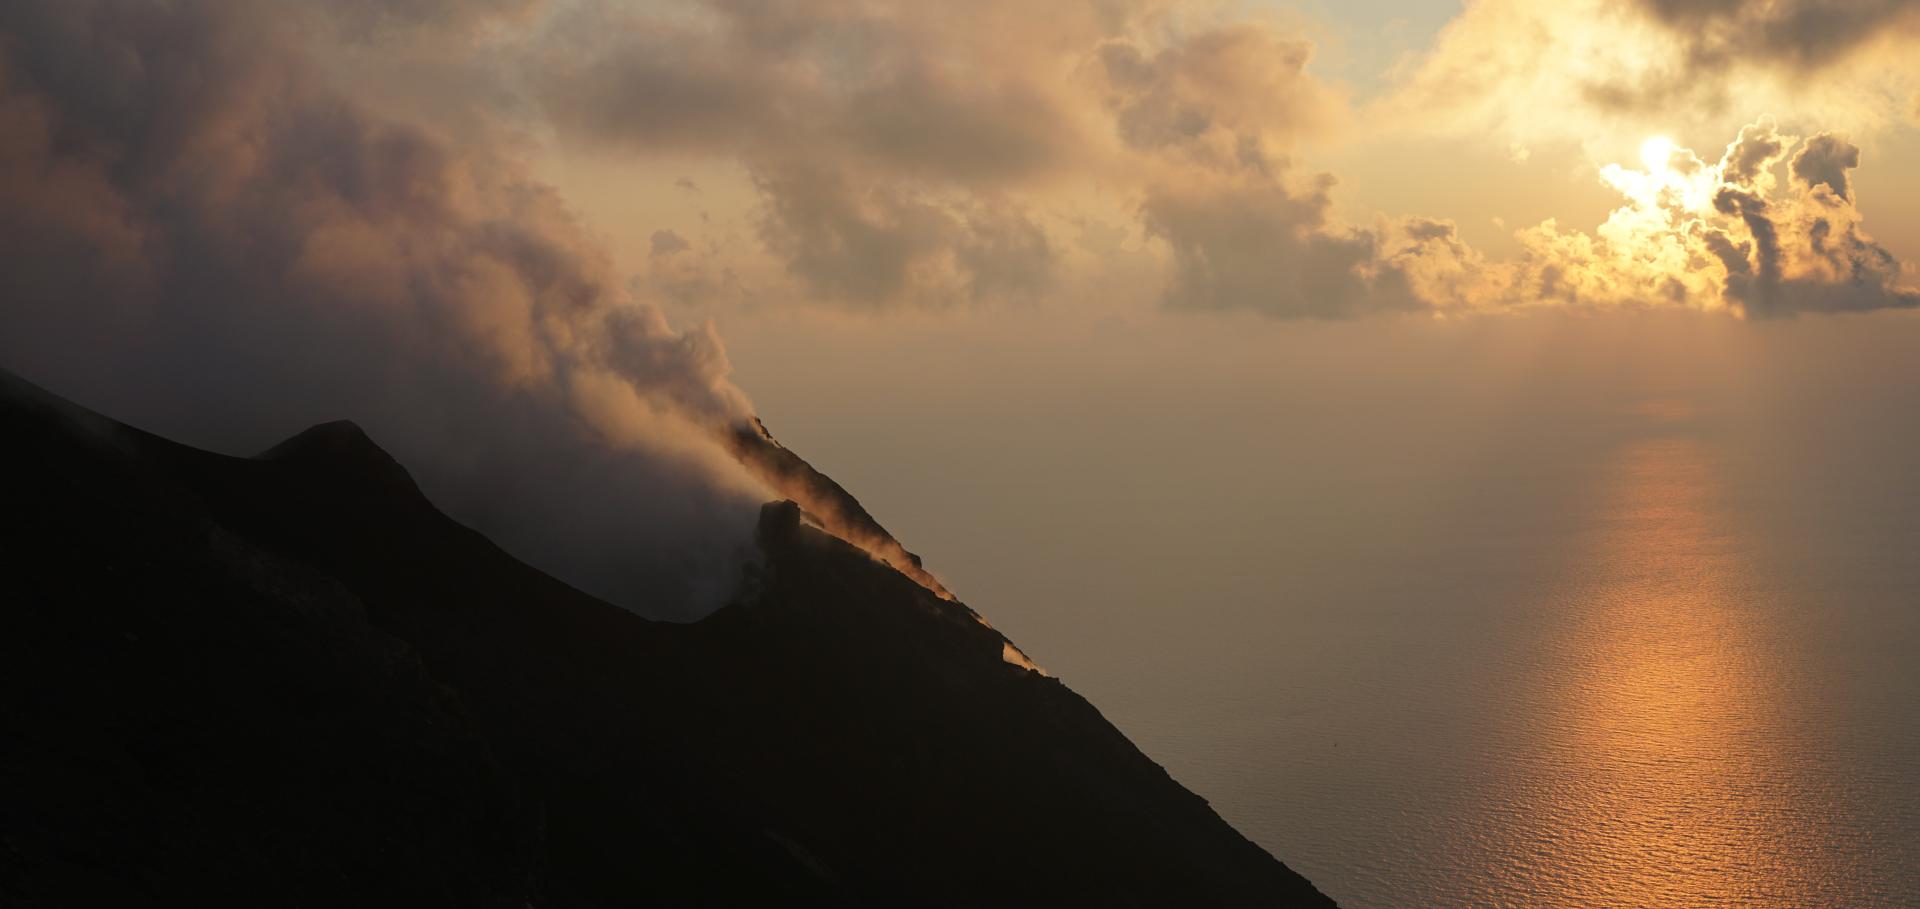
1727 235
1656 152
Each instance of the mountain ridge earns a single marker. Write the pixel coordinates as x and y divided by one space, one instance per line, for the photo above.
823 500
337 692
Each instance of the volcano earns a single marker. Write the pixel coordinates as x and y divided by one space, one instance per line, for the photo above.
291 680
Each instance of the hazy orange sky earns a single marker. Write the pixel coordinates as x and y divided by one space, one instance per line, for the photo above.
231 217
1299 160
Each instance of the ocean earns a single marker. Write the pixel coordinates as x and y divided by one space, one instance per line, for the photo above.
1616 611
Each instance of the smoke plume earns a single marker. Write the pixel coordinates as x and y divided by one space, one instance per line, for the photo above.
208 236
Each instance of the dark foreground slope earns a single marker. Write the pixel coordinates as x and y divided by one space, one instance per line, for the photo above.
289 680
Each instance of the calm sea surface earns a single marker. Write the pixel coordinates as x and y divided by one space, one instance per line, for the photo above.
1669 663
1466 617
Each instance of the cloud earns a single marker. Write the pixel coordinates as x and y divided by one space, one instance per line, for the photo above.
1246 241
910 155
1824 162
885 141
1243 231
371 19
906 155
666 243
1691 235
901 156
1202 116
1587 71
1214 90
879 244
1723 237
206 236
1750 157
1802 34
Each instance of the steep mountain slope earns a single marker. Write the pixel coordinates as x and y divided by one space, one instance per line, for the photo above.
823 500
289 680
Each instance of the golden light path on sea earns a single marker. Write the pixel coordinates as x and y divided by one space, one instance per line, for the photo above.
1669 770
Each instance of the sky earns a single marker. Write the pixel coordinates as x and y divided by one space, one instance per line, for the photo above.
1300 161
549 251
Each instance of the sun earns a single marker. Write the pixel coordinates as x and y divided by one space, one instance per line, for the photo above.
1655 153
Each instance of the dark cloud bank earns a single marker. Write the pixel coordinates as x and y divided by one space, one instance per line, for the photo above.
1724 41
1804 34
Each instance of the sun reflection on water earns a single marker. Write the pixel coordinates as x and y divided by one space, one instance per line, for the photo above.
1667 770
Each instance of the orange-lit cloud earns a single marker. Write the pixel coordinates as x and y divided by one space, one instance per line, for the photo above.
1726 235
903 156
891 145
1594 70
887 156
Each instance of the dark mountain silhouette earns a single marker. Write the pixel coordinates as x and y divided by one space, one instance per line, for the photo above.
289 680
